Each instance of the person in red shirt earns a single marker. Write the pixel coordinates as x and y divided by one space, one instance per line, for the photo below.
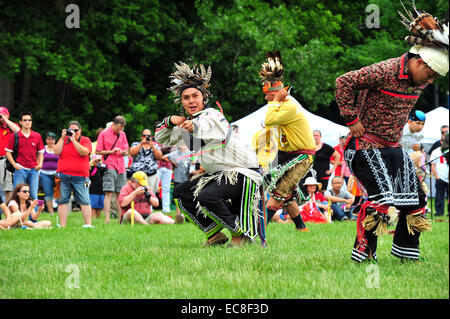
135 191
73 170
30 154
6 129
112 144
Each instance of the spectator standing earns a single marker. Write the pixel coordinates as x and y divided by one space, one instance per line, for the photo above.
146 153
412 132
73 170
96 194
112 144
341 168
30 154
48 170
439 169
181 161
322 159
7 128
341 200
165 176
444 131
137 190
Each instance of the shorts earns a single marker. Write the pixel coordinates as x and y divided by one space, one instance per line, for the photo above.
97 200
113 181
80 187
128 220
5 177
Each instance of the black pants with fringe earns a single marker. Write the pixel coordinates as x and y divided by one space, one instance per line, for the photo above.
388 178
219 204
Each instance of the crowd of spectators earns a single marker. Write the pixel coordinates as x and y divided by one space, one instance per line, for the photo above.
136 180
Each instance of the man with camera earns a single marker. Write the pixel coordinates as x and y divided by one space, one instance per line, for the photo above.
73 170
138 191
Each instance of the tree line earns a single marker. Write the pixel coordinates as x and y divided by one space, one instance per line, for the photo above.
119 59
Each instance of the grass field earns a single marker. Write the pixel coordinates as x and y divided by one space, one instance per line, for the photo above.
168 262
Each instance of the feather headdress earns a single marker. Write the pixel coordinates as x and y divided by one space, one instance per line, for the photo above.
272 70
426 29
429 37
184 77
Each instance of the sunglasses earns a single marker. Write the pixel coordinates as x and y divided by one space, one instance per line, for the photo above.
145 135
25 191
444 132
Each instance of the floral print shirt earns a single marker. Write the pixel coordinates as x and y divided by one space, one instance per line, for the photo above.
381 96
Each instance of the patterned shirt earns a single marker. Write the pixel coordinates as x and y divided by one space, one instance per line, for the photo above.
385 97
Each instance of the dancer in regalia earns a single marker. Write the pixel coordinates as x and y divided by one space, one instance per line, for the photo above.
296 147
228 193
375 102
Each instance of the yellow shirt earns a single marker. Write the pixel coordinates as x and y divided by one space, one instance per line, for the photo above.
293 127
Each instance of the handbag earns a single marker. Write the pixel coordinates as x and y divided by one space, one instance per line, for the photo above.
9 167
57 188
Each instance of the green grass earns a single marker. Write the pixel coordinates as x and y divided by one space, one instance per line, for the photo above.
168 262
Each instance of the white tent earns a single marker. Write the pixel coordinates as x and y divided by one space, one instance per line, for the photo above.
434 120
251 123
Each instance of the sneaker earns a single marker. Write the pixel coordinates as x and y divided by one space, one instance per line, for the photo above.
179 219
87 226
218 239
305 230
344 218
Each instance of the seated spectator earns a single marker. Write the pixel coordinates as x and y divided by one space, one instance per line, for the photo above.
341 200
22 206
354 189
48 170
315 210
96 194
138 191
9 220
73 170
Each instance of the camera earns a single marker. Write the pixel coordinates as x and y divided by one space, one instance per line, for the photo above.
146 193
101 167
147 138
69 132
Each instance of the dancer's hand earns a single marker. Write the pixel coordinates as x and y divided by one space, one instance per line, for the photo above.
177 120
188 125
280 96
357 129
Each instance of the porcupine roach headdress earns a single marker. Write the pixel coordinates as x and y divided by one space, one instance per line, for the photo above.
184 77
271 73
429 38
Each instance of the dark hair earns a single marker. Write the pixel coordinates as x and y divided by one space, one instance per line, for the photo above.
16 198
74 123
22 114
50 134
413 56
